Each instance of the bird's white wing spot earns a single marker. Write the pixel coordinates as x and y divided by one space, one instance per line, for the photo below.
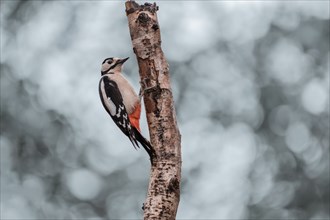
112 107
119 112
122 124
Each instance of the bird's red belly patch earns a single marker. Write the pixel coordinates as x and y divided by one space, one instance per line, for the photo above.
135 117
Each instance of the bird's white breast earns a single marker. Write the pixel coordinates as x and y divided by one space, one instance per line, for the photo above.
130 98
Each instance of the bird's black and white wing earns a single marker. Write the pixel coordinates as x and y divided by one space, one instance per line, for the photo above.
112 101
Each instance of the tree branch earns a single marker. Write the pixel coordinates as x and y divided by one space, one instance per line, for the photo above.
164 186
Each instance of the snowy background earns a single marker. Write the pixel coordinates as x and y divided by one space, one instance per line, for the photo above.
251 87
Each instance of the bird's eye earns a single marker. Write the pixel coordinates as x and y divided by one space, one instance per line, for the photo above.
110 61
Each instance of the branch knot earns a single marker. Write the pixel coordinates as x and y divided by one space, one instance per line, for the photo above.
143 18
173 185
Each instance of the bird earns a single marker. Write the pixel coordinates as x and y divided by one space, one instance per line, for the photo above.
122 103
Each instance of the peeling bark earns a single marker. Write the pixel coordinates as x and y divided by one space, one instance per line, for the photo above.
164 186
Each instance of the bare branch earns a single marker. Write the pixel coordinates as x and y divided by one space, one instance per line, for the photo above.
164 186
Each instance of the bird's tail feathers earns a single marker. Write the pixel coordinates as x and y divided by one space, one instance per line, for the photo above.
134 141
144 142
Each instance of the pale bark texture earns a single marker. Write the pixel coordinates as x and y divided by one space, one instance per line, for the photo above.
164 186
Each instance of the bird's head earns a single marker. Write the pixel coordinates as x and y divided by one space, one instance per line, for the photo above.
112 65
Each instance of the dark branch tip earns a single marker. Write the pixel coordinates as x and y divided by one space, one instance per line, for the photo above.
132 6
150 7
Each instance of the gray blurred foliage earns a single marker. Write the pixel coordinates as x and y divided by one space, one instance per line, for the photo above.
251 87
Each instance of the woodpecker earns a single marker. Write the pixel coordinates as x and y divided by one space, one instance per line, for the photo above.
121 102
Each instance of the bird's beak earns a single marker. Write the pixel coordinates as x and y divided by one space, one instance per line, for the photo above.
122 60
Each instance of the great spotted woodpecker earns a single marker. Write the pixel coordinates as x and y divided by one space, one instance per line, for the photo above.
121 102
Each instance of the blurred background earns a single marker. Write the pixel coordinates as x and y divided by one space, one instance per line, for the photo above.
251 86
